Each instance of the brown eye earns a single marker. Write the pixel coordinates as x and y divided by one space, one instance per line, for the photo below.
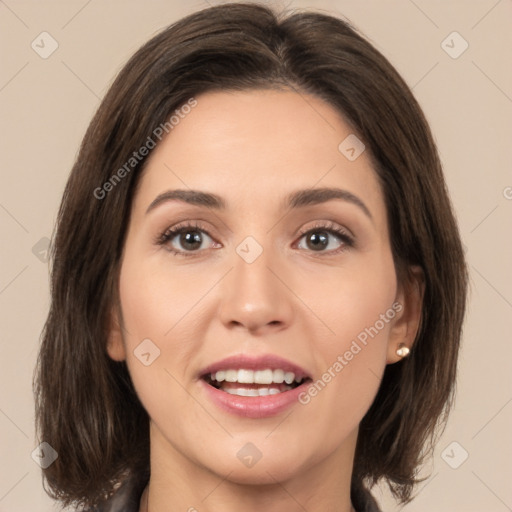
181 240
319 239
190 240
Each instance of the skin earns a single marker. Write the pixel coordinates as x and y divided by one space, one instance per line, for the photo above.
253 148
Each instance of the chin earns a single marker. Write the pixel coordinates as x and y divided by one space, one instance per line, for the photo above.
261 470
261 474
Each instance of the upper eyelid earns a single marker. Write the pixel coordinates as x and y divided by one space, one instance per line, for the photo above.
329 226
302 231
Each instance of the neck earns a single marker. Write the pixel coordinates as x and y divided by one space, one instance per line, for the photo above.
144 504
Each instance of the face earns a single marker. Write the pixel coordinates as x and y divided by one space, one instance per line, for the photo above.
287 284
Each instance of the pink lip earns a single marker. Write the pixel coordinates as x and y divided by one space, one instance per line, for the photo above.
267 361
253 406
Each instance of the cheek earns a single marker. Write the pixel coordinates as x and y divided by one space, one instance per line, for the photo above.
155 307
156 310
354 299
157 302
357 307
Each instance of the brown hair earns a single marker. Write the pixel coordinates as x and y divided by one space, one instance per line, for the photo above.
86 405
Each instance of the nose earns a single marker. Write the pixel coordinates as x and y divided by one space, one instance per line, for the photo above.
255 296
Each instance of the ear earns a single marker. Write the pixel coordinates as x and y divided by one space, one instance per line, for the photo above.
409 305
115 345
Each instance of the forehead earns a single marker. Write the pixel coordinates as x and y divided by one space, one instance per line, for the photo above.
259 144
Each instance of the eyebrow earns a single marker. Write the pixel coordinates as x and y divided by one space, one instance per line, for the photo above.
297 199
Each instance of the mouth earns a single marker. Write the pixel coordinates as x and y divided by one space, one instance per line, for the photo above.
255 387
254 383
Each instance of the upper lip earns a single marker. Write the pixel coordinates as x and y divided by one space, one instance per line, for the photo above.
262 362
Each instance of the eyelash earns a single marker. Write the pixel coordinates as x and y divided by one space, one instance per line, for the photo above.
170 233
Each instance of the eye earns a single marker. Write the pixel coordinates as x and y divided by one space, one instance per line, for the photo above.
317 238
188 237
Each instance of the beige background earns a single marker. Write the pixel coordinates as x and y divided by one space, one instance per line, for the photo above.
46 105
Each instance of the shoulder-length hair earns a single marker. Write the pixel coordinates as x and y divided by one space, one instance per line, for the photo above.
86 406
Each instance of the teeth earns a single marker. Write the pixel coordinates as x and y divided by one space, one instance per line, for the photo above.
245 376
231 375
256 377
263 377
278 376
256 392
289 377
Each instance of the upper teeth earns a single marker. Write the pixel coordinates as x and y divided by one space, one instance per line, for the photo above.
255 377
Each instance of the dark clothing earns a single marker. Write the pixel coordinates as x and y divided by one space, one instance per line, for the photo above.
127 499
363 501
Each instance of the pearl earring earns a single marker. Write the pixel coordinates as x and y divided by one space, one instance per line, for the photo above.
402 350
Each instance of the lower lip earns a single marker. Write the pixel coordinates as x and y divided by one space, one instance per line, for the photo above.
253 406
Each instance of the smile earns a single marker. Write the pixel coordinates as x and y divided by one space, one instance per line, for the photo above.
254 383
253 386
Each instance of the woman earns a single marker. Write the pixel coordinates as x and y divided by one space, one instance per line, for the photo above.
258 284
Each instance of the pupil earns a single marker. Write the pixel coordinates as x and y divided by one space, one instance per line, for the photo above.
316 240
195 238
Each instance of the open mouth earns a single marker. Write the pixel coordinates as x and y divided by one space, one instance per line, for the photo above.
254 383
